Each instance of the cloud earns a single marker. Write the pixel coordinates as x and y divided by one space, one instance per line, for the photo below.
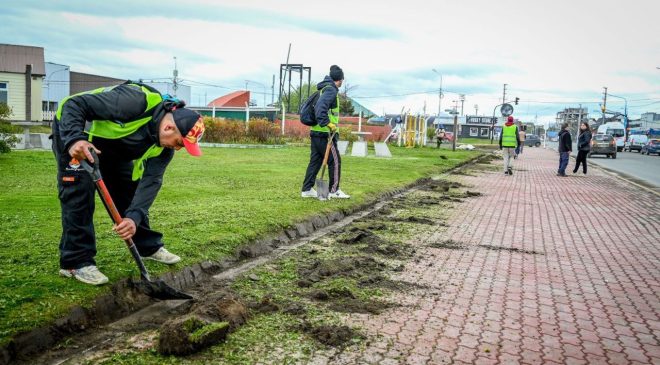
549 57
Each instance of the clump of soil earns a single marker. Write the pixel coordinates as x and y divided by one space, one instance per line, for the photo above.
442 185
372 243
353 266
330 335
295 309
356 305
449 244
266 305
207 324
511 249
413 219
191 333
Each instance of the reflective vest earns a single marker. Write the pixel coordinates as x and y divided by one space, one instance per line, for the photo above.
509 136
110 129
333 116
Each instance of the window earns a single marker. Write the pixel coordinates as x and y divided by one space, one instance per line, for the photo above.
3 92
484 132
474 131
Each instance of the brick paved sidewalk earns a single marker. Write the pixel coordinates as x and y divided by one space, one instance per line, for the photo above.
553 270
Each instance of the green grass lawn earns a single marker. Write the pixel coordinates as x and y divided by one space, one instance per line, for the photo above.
207 207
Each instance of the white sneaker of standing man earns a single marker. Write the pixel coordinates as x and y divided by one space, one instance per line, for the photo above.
338 195
311 193
164 256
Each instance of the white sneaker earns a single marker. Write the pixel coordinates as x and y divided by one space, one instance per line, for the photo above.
338 195
311 193
88 275
164 256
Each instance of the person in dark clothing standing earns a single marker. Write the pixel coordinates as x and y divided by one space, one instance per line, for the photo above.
135 131
327 115
565 149
584 146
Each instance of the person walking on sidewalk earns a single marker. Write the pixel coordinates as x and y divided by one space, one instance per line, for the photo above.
522 134
509 141
326 111
583 146
135 131
439 135
565 149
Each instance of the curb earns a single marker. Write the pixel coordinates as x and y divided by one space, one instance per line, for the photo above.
124 299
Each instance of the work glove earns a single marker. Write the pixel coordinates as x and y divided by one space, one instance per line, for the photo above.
332 127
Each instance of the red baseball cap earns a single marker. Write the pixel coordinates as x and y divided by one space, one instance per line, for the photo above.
191 126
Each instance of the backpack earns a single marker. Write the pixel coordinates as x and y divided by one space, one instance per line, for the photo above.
307 112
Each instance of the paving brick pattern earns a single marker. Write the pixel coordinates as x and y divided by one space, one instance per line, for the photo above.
554 271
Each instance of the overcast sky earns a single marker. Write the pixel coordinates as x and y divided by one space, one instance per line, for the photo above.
552 54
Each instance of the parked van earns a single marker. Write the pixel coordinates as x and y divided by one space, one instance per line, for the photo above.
636 142
617 131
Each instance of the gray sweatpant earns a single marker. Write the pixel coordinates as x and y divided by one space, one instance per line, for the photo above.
508 153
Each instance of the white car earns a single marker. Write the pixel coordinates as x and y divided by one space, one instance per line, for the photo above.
636 142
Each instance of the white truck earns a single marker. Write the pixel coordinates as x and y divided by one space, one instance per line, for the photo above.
615 129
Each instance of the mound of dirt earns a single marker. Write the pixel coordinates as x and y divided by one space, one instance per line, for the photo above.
266 305
353 266
330 335
191 333
442 185
207 324
449 244
511 249
356 305
413 219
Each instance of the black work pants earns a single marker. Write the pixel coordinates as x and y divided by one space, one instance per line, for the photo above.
76 193
318 146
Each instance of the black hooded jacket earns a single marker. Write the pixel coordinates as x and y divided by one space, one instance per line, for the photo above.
327 100
565 141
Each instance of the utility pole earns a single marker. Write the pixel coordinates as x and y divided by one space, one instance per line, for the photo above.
476 109
504 94
462 97
439 92
604 103
272 92
455 112
175 77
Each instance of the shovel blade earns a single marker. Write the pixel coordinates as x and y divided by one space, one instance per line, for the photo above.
322 189
158 289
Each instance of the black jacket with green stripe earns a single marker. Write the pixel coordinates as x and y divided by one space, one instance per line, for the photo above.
122 104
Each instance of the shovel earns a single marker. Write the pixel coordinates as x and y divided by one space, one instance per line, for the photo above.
157 289
322 188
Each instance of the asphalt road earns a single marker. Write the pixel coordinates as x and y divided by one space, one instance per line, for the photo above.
642 167
635 164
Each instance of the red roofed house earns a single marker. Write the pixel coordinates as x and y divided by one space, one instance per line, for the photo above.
236 99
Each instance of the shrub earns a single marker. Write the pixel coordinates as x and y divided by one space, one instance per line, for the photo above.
233 131
7 138
263 131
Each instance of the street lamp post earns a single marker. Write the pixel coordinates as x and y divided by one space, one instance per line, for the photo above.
439 92
48 88
625 113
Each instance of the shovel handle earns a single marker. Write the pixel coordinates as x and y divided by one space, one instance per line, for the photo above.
327 154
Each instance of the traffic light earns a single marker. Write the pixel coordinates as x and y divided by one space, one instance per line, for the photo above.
516 101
